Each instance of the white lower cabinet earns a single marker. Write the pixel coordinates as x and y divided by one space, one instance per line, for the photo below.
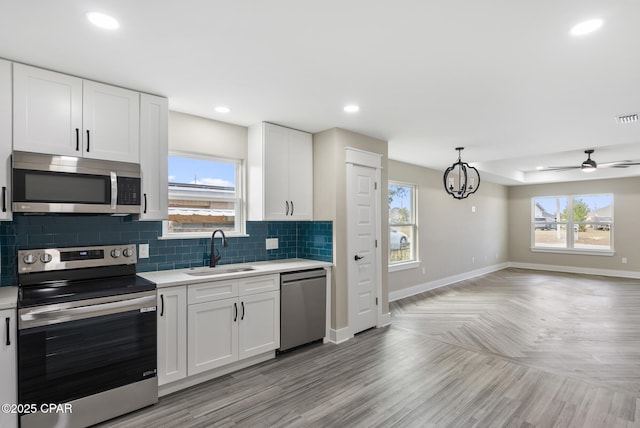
213 335
209 325
172 334
8 362
259 324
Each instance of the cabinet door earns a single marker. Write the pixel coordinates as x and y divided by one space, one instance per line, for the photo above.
212 335
259 323
47 111
111 122
300 175
8 362
153 157
276 173
172 334
5 140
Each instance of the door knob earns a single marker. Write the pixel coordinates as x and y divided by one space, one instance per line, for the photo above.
357 257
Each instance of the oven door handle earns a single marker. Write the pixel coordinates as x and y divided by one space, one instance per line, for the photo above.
54 314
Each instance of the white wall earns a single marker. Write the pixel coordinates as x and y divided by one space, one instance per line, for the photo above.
452 240
626 196
194 134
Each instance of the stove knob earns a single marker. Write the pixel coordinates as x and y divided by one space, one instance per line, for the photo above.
45 257
115 253
128 252
29 259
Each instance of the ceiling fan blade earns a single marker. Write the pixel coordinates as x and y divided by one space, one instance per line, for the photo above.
559 168
619 164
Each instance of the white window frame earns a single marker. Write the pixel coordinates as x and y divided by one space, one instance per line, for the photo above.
415 262
570 224
240 215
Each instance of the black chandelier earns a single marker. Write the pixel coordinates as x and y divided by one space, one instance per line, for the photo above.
460 179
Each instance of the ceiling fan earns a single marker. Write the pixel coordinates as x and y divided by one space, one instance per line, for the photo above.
589 165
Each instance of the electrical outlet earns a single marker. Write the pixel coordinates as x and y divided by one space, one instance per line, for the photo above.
143 251
424 271
473 209
271 243
624 260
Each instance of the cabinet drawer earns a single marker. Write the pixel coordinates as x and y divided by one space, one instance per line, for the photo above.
259 284
215 290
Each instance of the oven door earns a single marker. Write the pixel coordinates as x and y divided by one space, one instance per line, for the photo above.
72 350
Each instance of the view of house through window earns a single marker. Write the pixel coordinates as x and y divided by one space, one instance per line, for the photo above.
580 222
203 195
402 222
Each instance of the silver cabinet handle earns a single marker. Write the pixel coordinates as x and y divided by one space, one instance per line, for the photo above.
87 141
287 202
292 207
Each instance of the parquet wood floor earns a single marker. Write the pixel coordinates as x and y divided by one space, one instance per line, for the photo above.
514 348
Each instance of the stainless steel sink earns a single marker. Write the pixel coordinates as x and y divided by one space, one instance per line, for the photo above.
207 271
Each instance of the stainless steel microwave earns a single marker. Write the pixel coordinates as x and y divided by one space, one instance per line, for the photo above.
64 184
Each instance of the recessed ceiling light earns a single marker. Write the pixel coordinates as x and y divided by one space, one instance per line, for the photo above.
539 168
103 21
351 108
586 27
222 109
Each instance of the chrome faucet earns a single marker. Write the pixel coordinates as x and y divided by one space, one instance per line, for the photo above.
214 259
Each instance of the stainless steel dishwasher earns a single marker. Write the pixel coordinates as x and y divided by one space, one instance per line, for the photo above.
303 305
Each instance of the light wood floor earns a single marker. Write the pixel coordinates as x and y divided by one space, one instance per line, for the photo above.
515 348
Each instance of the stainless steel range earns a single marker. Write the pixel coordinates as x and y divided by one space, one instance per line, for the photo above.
86 336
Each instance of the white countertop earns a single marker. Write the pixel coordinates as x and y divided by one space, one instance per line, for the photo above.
169 278
8 297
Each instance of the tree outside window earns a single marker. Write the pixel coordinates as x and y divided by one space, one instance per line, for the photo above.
402 223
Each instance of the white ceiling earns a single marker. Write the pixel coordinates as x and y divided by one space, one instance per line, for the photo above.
503 78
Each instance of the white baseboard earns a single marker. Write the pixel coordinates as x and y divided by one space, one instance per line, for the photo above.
573 269
340 335
420 288
385 320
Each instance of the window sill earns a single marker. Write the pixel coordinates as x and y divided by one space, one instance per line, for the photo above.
202 235
414 264
577 251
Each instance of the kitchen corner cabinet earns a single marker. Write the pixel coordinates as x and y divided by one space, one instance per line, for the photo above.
172 334
154 113
232 320
280 165
64 115
8 362
5 141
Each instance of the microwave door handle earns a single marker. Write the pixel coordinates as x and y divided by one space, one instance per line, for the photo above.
114 190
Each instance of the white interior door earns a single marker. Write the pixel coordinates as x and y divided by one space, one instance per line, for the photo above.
362 204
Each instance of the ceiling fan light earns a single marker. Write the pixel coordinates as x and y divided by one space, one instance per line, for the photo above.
589 165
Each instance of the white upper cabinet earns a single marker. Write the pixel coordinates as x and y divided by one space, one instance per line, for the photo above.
47 111
110 117
154 113
5 140
64 115
280 163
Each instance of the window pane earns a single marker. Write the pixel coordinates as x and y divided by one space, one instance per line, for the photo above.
555 236
202 195
400 239
589 236
550 209
402 227
400 200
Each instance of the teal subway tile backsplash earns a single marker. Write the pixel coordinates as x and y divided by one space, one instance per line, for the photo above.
305 239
